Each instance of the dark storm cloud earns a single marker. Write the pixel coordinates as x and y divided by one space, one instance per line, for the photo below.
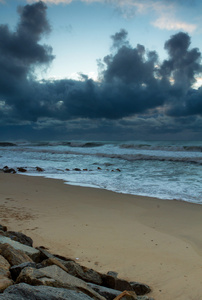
156 97
20 50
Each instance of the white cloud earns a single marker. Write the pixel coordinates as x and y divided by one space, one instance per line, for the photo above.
165 22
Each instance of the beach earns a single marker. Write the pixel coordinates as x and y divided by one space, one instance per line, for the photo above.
157 242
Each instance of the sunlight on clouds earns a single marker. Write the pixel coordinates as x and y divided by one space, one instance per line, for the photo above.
165 22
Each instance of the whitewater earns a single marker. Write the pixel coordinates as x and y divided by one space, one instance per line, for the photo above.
163 169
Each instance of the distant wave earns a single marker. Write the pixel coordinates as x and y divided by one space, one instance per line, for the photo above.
162 148
68 144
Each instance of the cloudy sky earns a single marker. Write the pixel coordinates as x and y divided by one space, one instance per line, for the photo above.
100 69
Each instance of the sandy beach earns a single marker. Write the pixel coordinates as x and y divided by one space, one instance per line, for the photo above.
153 241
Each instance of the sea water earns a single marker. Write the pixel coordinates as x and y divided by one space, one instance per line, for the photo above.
162 169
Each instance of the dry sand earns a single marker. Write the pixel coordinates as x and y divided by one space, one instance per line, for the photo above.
157 242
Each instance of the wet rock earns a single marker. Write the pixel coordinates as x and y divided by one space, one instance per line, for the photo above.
15 270
22 170
140 288
6 169
38 169
13 256
77 169
99 168
30 251
67 169
25 291
56 277
19 237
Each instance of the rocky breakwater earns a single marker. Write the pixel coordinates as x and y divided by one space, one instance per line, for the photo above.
36 274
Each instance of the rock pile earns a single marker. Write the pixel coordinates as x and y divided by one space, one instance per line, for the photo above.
36 274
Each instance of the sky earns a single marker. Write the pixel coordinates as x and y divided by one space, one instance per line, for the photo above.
100 70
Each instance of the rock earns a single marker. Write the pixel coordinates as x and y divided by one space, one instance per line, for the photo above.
4 283
39 169
67 169
23 170
20 237
118 170
4 267
108 293
83 273
127 295
140 288
77 169
56 277
115 283
9 170
13 256
25 291
99 168
33 253
113 274
15 270
3 228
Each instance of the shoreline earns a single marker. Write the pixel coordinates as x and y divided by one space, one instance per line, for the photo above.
143 239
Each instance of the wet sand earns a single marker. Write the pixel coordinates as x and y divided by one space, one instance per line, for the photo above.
144 239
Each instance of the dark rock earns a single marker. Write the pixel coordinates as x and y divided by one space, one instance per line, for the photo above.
115 283
20 237
67 169
25 291
15 270
118 170
56 277
140 288
85 169
77 169
83 273
22 170
39 169
108 293
30 251
9 170
99 168
13 256
3 228
113 274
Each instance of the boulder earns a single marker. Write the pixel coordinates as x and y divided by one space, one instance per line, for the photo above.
4 283
38 169
140 288
19 237
25 291
127 295
88 275
77 169
13 256
4 267
33 253
3 228
9 170
56 277
115 283
113 274
23 170
15 270
108 293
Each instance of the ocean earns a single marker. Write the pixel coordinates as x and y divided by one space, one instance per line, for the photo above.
163 169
